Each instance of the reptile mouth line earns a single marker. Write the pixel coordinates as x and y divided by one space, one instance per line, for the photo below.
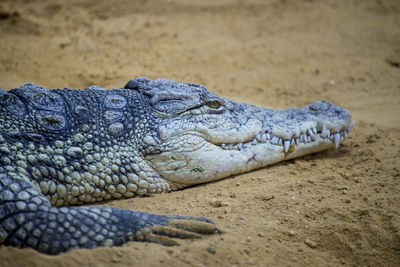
309 136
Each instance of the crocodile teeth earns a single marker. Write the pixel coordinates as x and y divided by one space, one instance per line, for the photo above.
311 135
305 138
286 144
275 140
240 146
314 130
324 132
336 139
263 138
350 126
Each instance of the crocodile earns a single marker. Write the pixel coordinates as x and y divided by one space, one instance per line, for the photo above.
61 148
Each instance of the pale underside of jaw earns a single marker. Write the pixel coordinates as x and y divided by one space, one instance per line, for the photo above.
210 162
308 136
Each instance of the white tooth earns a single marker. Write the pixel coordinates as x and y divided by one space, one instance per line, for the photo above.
274 140
310 132
297 140
286 144
263 138
223 145
254 142
258 137
305 137
328 133
301 138
336 139
230 146
240 146
235 147
280 141
323 132
350 126
308 139
345 134
268 136
314 130
292 141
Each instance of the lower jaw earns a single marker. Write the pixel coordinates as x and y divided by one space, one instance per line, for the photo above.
211 163
262 155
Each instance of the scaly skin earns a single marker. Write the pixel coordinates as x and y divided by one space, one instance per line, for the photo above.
64 147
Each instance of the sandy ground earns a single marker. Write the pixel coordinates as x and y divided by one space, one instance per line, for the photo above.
271 53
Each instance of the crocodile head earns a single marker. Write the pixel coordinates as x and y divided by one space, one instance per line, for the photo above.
198 136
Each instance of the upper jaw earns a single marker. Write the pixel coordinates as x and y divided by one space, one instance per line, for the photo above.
246 125
307 136
292 127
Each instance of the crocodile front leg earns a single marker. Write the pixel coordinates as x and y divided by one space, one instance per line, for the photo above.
28 220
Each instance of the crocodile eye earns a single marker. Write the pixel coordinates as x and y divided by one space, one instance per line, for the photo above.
214 104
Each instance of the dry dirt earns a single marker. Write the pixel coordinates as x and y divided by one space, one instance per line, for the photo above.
279 54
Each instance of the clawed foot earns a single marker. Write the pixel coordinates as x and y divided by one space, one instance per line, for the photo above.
182 227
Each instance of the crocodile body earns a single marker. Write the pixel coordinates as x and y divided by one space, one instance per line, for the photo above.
64 147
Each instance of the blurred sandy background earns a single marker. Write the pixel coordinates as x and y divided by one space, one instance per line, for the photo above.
271 53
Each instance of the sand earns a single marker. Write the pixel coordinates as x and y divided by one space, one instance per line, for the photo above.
339 207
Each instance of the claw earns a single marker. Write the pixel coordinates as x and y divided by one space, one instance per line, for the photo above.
195 226
159 239
174 232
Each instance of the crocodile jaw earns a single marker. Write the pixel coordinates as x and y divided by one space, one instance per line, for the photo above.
211 162
197 153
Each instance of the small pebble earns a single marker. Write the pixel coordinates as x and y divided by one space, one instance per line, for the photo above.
292 233
218 203
242 218
248 239
251 261
310 243
261 234
238 183
211 250
215 202
267 197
